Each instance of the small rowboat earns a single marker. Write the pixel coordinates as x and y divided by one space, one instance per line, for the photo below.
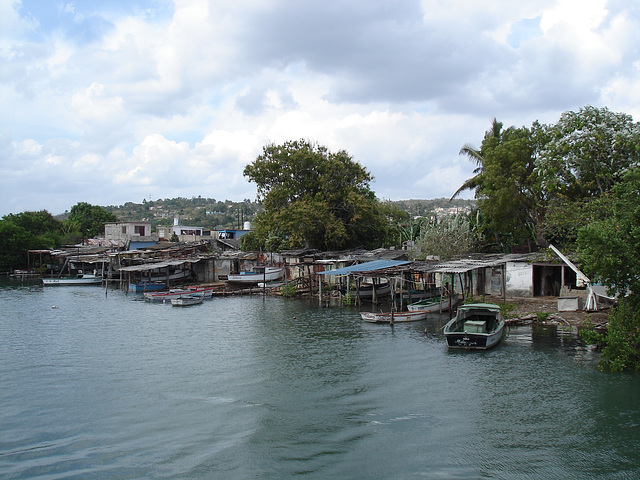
437 304
393 317
187 300
164 296
257 275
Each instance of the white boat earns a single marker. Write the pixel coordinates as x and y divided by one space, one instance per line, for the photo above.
433 305
393 317
164 296
187 300
257 275
82 279
477 326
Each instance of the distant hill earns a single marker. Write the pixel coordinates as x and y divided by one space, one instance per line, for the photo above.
219 215
196 211
417 208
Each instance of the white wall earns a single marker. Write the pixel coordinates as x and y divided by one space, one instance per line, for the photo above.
519 279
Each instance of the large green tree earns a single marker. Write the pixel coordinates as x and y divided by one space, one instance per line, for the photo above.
584 157
90 218
477 156
25 231
587 151
315 198
507 188
609 244
531 183
15 242
37 223
609 250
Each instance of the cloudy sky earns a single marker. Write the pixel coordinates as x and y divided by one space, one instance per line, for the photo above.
114 101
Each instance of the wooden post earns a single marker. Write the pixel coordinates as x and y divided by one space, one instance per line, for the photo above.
374 297
504 282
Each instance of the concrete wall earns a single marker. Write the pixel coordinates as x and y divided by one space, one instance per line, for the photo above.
519 279
205 271
129 231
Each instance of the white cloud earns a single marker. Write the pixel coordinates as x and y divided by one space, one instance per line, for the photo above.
122 103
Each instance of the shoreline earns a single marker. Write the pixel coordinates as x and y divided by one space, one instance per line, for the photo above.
545 310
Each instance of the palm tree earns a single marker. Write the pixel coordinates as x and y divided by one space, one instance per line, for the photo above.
475 155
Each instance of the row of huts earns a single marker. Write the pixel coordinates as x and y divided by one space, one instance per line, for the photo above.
495 275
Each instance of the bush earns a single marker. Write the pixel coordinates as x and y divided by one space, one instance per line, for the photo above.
622 340
289 290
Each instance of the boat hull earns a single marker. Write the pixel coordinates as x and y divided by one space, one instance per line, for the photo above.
397 317
146 287
475 327
187 300
271 274
473 341
367 290
433 306
164 296
82 280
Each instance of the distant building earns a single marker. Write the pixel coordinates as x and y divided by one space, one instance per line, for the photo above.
184 233
130 235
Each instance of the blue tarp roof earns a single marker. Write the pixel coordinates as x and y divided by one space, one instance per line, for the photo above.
137 245
365 267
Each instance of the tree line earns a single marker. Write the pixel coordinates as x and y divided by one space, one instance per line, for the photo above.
40 230
205 212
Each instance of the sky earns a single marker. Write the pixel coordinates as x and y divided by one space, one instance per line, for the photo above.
118 101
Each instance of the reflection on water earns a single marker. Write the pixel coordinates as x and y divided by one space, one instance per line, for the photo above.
111 386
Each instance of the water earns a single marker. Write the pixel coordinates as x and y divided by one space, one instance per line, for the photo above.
109 386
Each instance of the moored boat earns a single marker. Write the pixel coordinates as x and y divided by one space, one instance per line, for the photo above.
81 279
393 317
207 292
187 300
381 289
24 273
477 326
146 286
258 274
432 305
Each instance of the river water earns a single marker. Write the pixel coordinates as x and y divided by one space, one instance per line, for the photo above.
96 385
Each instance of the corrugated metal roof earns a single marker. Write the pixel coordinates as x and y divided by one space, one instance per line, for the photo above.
463 266
151 266
365 267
